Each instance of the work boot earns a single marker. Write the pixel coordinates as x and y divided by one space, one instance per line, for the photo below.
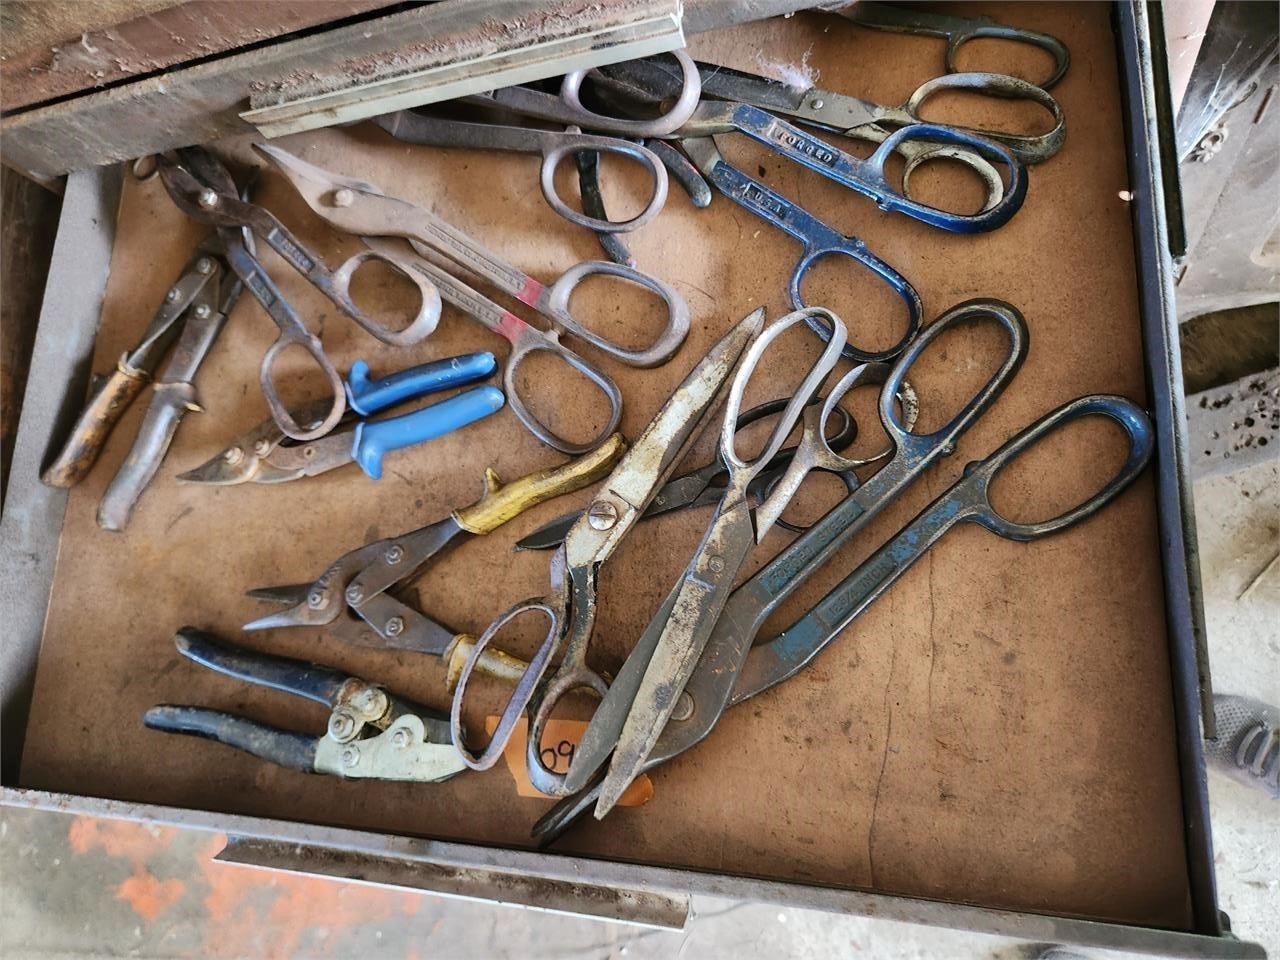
1248 744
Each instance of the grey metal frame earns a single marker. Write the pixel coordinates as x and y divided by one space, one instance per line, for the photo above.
632 893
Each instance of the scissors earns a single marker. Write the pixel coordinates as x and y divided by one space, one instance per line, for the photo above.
265 455
355 598
818 239
864 120
371 734
352 204
957 31
645 80
648 687
684 173
554 145
203 189
571 606
703 487
770 663
750 605
567 108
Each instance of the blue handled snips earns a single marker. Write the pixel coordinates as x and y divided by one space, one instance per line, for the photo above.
266 455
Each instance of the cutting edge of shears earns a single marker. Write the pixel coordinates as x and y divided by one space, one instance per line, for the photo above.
570 607
712 683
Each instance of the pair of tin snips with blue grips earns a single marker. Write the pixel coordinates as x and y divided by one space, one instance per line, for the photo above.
266 455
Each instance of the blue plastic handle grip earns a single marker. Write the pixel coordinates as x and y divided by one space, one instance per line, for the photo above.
374 439
369 396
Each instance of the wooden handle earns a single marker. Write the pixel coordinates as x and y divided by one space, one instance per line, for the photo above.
492 663
100 414
503 502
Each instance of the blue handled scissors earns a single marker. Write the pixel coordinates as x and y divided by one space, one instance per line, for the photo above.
266 455
750 103
818 238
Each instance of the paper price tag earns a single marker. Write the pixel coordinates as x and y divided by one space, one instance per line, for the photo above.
559 740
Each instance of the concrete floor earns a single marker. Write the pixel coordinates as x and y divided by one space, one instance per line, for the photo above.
76 886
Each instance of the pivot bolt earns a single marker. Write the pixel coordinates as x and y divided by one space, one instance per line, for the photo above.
402 738
317 599
395 627
262 447
173 294
350 757
208 199
684 707
370 702
202 311
204 265
342 197
716 564
395 554
341 727
354 594
602 515
233 455
819 104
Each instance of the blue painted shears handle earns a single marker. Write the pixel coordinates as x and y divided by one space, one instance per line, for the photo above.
868 178
819 241
367 396
968 501
372 440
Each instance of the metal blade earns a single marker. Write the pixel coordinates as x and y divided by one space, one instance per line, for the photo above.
602 733
699 601
309 458
549 535
681 492
285 593
663 444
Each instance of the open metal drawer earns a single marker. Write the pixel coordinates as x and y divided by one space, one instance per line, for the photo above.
1043 777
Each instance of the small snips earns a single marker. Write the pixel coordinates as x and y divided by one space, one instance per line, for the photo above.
189 319
266 455
359 597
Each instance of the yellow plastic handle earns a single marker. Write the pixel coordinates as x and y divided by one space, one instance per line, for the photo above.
502 502
492 663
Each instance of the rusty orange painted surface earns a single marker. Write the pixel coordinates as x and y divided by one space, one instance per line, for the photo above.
244 911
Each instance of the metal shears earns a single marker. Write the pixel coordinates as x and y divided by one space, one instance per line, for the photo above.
567 108
371 733
646 690
265 455
864 120
554 146
202 188
363 208
189 320
571 606
752 102
703 486
359 597
750 605
733 671
957 31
